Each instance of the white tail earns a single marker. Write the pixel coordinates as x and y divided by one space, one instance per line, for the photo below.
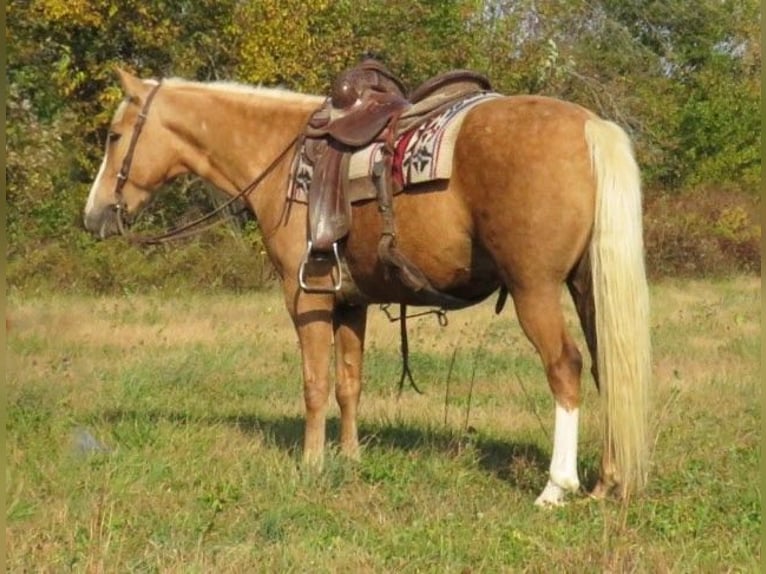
621 297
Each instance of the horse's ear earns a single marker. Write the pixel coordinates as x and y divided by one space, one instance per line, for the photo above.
133 87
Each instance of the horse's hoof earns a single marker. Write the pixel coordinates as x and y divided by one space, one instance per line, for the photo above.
353 455
545 503
312 464
604 490
599 492
551 496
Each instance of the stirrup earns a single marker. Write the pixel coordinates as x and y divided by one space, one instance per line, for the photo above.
337 281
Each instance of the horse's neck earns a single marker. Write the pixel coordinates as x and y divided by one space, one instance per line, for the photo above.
231 134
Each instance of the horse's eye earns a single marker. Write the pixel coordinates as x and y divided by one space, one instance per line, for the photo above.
113 137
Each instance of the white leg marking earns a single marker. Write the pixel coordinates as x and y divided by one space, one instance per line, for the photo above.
563 470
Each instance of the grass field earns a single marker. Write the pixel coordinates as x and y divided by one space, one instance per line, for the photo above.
150 434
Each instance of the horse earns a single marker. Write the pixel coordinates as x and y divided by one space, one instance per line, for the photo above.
544 195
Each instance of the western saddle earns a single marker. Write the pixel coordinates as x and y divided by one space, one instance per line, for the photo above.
367 104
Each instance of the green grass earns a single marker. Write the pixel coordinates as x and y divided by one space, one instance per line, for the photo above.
149 434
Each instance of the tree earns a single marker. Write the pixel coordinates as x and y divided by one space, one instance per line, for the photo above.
682 77
706 54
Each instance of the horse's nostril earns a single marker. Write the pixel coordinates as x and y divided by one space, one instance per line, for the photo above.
100 223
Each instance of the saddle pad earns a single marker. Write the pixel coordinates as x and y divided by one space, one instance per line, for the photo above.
421 154
424 153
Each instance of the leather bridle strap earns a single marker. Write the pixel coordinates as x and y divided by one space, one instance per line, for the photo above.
191 228
122 176
187 229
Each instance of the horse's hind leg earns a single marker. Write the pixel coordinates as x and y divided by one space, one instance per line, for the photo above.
540 315
349 323
580 286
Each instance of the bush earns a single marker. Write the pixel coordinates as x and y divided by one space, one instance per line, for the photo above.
215 261
710 232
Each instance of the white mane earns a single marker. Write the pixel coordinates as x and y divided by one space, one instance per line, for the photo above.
247 89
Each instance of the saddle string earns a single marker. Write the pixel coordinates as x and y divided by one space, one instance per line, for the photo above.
441 315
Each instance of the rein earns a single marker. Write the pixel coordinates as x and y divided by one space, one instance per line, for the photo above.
190 228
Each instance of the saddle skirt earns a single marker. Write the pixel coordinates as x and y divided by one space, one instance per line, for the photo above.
422 153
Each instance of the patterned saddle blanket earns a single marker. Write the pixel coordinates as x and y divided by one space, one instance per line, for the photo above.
422 154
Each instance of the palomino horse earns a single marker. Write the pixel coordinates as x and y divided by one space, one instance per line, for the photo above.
543 193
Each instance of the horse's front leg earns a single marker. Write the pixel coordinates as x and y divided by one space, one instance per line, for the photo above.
312 317
349 324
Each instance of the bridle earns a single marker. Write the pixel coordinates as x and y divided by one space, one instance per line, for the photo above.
127 161
192 227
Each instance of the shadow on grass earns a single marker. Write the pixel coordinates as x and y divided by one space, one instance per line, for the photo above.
523 465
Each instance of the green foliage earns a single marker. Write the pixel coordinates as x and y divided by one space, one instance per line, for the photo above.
709 107
683 77
720 128
418 39
296 43
37 176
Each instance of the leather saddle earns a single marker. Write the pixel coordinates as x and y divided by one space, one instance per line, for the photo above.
362 105
367 104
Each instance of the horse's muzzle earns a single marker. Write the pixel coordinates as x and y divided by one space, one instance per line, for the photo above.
102 223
